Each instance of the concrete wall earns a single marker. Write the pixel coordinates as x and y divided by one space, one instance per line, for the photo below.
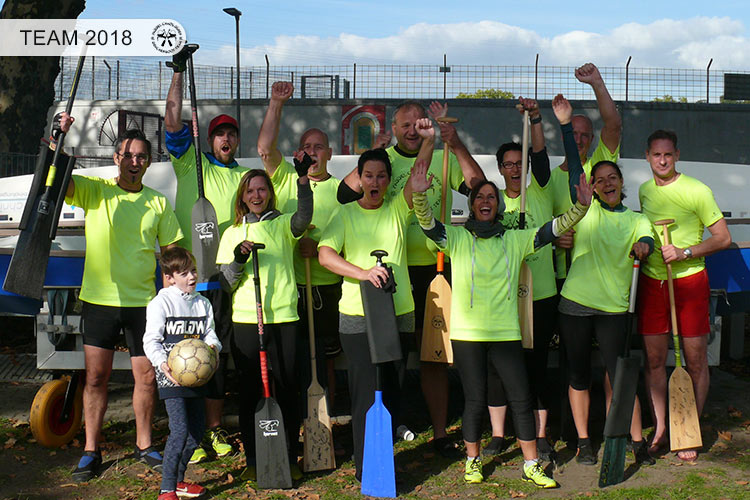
707 132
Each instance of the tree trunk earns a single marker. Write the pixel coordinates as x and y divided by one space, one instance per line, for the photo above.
27 83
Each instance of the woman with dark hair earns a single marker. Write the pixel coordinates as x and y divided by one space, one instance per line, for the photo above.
486 261
595 298
373 222
258 221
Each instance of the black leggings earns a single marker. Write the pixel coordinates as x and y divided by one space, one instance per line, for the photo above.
280 340
576 333
471 359
545 322
362 382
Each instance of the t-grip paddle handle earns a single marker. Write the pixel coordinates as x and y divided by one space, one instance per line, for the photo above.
664 223
259 310
379 254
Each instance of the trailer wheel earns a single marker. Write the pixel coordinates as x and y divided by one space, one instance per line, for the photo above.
46 426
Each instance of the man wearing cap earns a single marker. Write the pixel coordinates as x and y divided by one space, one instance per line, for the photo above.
221 176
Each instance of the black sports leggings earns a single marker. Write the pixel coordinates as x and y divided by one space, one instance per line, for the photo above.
545 322
576 333
472 359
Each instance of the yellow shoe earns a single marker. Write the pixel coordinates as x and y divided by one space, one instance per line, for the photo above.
217 438
199 455
535 474
473 471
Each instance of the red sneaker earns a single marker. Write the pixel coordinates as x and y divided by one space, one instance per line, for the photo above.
168 496
190 490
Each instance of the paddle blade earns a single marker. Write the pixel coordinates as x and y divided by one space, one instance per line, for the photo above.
436 342
318 438
526 306
382 329
623 396
271 458
613 461
205 233
378 467
28 265
684 429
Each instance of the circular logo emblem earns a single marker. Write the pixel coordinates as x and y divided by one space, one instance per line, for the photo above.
523 291
168 37
437 322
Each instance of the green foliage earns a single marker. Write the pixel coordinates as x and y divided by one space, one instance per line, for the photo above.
669 98
731 101
487 94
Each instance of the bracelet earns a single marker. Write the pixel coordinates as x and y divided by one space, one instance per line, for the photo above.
536 119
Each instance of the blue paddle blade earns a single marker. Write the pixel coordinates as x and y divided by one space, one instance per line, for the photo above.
378 468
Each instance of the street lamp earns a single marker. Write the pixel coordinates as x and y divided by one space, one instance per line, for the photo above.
236 14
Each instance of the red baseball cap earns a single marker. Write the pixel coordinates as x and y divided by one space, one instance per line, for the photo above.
221 120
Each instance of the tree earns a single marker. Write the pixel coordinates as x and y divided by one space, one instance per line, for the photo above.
669 98
487 94
27 83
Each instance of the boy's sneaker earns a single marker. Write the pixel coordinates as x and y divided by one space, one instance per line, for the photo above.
585 454
473 471
535 474
88 466
199 455
149 456
217 439
189 490
170 495
497 445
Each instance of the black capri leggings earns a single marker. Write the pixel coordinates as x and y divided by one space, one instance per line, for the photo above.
576 333
471 359
545 322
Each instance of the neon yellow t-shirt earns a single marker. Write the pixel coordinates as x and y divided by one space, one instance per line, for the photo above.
420 249
692 205
122 229
601 268
484 305
284 181
538 212
277 286
560 187
357 232
219 184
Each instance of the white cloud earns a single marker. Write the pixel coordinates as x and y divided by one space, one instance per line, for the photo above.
669 43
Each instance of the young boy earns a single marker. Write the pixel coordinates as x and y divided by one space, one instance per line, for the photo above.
177 313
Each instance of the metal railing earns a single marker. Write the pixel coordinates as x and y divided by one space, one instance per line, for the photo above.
148 78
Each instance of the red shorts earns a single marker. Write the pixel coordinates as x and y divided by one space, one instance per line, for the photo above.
691 295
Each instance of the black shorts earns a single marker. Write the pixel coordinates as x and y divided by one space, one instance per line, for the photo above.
326 317
101 326
421 277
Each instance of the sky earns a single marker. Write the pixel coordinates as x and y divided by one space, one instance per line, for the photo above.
663 33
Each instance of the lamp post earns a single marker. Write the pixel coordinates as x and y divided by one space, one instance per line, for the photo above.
236 14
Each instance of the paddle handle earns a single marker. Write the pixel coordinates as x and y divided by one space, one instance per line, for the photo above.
444 184
524 168
259 310
631 305
672 308
196 136
440 262
310 320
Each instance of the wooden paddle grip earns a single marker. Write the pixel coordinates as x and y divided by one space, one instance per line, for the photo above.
670 287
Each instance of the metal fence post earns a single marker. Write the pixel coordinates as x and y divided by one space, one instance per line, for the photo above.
93 76
109 79
118 79
444 69
159 64
627 77
62 74
231 82
708 68
354 92
536 77
268 69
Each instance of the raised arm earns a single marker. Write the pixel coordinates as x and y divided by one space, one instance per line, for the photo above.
539 159
564 113
612 130
422 163
173 111
470 169
303 216
269 132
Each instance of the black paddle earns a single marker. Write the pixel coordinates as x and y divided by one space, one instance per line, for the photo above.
617 425
203 223
380 316
271 456
38 225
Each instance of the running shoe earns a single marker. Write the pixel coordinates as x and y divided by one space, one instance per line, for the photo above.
497 445
149 456
585 454
535 474
189 490
216 438
88 466
473 471
170 495
199 455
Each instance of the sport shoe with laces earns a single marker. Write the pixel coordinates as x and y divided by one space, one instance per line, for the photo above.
535 474
497 445
170 495
189 490
88 466
217 439
585 454
149 456
199 455
473 471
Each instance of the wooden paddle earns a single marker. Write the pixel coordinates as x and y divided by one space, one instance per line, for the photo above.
436 342
38 226
525 280
318 437
204 225
617 425
684 428
271 455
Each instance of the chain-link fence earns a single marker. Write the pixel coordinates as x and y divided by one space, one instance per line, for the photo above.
148 78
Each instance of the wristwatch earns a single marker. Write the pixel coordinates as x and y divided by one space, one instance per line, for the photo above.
687 253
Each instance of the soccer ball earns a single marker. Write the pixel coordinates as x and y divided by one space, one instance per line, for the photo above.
192 362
